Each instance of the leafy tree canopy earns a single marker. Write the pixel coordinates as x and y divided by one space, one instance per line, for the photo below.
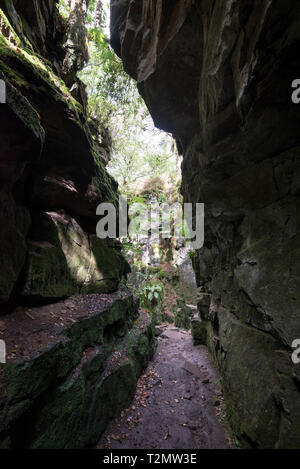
140 153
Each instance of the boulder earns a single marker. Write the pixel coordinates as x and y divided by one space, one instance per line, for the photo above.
198 329
68 374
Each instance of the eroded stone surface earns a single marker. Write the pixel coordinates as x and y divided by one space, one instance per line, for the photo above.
222 85
70 368
52 159
69 261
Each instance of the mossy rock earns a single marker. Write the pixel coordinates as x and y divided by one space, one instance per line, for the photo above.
252 397
183 315
72 409
199 332
67 261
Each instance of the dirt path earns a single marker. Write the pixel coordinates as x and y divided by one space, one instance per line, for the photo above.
176 405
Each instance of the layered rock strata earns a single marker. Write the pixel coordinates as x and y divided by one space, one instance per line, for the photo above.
71 367
52 161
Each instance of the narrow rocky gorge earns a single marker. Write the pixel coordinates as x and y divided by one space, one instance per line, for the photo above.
217 75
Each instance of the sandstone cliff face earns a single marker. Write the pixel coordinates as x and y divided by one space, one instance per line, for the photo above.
52 161
218 74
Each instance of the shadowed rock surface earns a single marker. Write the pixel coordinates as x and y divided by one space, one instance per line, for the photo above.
52 161
71 367
218 75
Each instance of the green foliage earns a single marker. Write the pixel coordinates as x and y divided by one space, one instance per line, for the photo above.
152 297
191 254
110 90
143 161
163 275
64 8
152 294
137 199
139 153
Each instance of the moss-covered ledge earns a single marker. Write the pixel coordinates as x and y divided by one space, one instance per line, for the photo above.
70 368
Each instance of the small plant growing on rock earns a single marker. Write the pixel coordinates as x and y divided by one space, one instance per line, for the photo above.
192 254
152 295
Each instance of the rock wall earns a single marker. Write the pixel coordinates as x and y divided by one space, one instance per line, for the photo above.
52 161
71 367
218 75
